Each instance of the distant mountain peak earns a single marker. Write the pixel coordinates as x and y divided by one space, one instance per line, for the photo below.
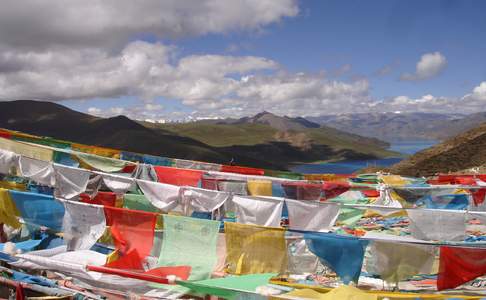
280 123
263 113
394 126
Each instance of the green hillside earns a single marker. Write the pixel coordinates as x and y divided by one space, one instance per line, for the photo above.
223 135
279 138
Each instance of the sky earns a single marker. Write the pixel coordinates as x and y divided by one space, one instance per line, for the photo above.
182 60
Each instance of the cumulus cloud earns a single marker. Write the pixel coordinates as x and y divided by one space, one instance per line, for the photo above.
93 49
94 111
429 66
111 23
208 85
479 92
469 103
426 103
141 69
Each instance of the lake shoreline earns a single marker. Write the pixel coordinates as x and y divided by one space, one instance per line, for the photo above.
407 148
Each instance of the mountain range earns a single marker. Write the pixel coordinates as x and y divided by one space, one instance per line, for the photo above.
460 153
264 140
403 126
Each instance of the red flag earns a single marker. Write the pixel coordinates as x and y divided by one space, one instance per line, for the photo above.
133 236
242 170
466 180
5 134
460 265
302 190
177 176
335 188
102 198
478 196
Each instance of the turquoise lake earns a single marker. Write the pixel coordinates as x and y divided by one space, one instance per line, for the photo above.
346 167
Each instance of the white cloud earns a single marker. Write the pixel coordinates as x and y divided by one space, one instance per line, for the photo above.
429 66
208 85
94 111
91 49
426 103
112 23
479 92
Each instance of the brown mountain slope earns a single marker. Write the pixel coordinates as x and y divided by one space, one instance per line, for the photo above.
254 143
54 120
467 150
404 126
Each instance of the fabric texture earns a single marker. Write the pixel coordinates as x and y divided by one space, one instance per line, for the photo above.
334 189
440 225
260 187
138 202
117 183
344 254
230 287
145 172
11 185
459 265
179 177
196 165
349 215
301 259
101 198
131 156
433 198
220 253
70 182
302 190
255 249
277 190
394 180
133 236
395 262
100 163
209 183
8 159
64 158
478 196
30 151
447 200
258 210
37 170
327 177
233 186
192 242
283 174
242 170
40 210
343 292
8 210
95 183
95 150
25 246
195 199
157 160
163 196
312 216
82 225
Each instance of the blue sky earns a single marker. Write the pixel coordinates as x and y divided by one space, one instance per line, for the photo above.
369 35
296 58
